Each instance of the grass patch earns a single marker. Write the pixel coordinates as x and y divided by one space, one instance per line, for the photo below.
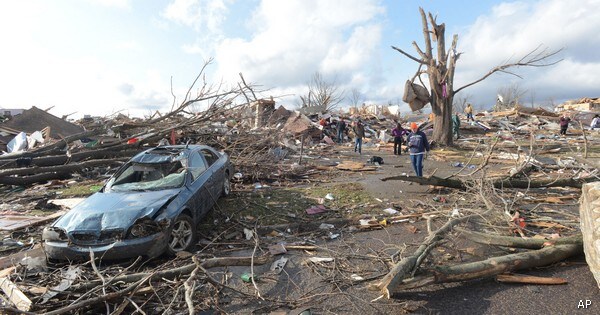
79 190
286 205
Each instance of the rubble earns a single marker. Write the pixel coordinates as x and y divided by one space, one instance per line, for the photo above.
513 162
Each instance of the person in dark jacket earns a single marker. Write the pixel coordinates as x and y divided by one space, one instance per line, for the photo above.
417 146
564 124
341 127
359 133
455 125
398 132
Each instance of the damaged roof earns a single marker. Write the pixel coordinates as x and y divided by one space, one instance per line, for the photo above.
35 119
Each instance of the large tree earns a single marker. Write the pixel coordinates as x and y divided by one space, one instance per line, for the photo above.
440 69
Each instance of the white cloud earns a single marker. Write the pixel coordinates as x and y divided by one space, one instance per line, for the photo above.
293 39
513 29
121 4
201 15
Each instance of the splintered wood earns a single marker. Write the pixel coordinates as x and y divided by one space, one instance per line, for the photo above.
589 211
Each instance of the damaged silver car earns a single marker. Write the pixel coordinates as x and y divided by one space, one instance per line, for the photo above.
150 206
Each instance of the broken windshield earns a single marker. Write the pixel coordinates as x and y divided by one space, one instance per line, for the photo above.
141 177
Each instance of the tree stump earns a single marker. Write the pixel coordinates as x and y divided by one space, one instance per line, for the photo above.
589 212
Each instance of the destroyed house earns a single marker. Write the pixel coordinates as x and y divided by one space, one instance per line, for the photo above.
35 119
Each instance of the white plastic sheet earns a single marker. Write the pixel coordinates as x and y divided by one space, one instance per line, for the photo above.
18 144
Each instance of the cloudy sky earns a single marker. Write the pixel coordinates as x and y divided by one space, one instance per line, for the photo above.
102 56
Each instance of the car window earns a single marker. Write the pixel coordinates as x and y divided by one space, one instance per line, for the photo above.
139 176
210 156
197 165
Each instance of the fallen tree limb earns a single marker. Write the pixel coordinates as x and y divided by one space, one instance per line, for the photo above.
28 180
177 272
518 242
498 183
61 159
74 167
98 299
492 266
408 265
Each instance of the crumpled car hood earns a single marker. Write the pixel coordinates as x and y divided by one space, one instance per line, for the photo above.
115 210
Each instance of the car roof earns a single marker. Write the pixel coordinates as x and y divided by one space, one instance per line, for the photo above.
167 153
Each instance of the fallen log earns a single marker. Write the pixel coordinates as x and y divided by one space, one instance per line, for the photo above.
518 242
73 167
57 146
61 159
492 266
498 183
29 180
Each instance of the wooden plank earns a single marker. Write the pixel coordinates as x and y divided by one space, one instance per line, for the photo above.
16 296
12 223
525 279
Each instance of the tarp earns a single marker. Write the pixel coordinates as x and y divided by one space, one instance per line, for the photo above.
18 143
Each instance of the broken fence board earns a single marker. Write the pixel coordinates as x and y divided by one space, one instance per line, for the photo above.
15 222
15 295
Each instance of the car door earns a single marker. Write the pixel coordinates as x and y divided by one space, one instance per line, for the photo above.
216 182
200 181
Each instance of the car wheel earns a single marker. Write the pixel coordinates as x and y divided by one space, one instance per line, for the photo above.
226 186
183 235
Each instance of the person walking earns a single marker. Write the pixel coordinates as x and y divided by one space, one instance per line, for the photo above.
359 134
564 123
595 122
455 125
341 127
398 132
469 112
417 146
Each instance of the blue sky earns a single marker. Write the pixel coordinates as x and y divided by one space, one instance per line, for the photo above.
102 56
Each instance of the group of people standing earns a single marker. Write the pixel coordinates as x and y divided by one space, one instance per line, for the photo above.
416 140
416 143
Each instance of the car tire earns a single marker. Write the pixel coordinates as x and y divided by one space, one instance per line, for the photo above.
183 235
226 186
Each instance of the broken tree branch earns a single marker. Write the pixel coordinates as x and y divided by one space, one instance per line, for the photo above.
492 266
408 265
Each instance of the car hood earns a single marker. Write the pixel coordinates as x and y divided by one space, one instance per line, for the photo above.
114 210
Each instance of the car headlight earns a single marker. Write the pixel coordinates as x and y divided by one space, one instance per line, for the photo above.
54 234
144 227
